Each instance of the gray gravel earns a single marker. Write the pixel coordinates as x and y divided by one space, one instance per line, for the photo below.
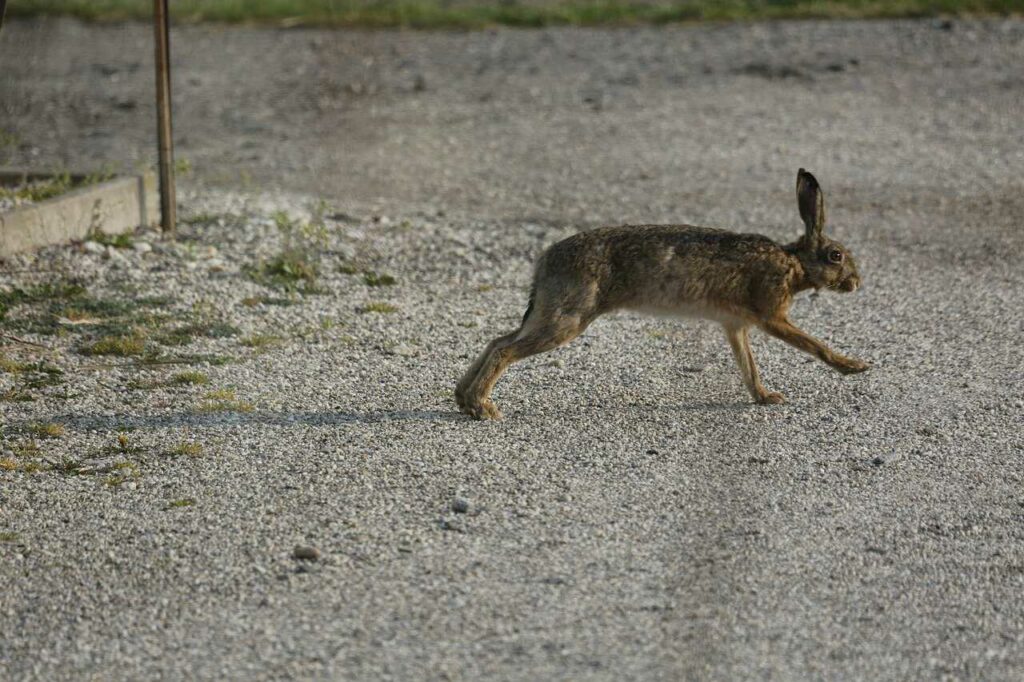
634 517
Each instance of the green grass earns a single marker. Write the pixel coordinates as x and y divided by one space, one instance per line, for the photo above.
115 345
191 378
186 449
118 241
223 400
481 13
40 190
46 430
55 185
379 307
262 341
375 279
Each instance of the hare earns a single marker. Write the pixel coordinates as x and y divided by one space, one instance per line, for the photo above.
738 280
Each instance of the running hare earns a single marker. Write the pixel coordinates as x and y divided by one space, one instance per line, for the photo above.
738 280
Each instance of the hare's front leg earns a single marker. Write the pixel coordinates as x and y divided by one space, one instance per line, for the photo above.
796 337
739 340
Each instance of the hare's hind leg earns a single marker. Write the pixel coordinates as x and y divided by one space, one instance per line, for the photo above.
462 388
739 340
542 330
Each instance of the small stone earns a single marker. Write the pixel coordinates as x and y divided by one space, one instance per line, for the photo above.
215 264
460 505
306 553
92 247
559 363
402 349
877 462
142 247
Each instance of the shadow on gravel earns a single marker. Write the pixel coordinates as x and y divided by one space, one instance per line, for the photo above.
180 419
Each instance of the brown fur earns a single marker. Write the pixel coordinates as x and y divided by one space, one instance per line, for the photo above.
739 280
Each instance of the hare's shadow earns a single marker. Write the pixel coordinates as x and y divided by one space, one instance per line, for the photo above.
261 418
348 417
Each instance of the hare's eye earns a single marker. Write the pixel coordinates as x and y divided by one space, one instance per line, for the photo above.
835 256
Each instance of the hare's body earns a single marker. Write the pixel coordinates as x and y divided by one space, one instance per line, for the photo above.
667 269
738 280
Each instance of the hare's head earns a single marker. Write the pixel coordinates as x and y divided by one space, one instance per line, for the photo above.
827 263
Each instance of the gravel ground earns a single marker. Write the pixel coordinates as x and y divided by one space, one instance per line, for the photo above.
634 517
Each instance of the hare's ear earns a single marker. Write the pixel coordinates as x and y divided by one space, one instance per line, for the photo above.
812 204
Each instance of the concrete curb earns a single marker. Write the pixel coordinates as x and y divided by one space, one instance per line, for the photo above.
114 206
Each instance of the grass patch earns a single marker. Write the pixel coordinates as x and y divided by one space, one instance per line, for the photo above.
8 536
296 267
470 14
12 366
186 450
183 502
291 269
8 464
46 188
39 190
41 293
192 378
124 472
374 279
223 400
64 307
46 430
262 341
379 307
118 241
16 394
182 336
115 345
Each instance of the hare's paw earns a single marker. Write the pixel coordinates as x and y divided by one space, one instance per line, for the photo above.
481 409
851 366
771 398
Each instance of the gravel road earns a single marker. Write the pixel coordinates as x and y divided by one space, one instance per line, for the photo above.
634 516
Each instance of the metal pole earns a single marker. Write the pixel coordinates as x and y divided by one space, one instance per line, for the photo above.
3 8
168 203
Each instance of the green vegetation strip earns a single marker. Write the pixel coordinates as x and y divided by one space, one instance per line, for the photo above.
470 14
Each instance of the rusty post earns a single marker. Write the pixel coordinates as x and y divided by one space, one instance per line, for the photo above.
168 202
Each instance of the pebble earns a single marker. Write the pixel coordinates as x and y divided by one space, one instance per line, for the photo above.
92 247
402 349
306 553
460 505
142 247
